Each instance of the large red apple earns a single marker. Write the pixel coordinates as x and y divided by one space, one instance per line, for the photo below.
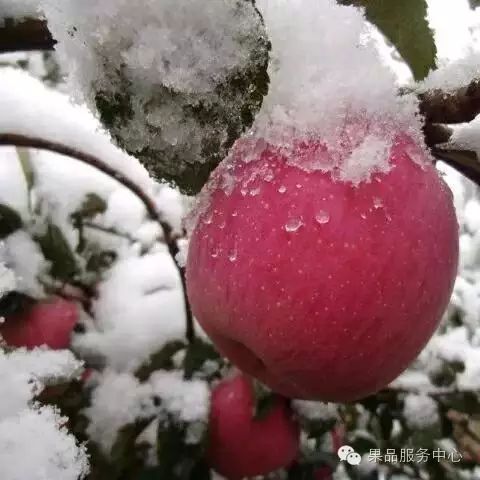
320 287
242 446
47 323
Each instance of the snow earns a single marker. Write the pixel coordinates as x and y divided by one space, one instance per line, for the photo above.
420 411
8 281
454 75
52 452
323 46
138 311
322 100
23 256
455 26
315 410
186 400
27 100
458 60
18 8
120 399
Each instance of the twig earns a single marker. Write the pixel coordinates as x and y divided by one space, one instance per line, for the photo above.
25 35
460 106
16 140
464 161
437 134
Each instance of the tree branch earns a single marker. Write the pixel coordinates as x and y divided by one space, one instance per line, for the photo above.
16 140
460 106
464 161
25 35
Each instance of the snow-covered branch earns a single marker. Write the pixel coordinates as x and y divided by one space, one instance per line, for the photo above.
459 106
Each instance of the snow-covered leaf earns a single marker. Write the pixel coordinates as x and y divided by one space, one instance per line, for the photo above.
55 248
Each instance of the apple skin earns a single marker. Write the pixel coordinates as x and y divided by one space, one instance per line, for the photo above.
47 323
242 446
337 308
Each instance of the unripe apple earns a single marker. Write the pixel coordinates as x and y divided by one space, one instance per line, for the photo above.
47 323
321 287
241 445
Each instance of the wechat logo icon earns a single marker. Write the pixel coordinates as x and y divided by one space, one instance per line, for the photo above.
347 454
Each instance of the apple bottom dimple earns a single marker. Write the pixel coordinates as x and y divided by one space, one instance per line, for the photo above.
247 361
363 368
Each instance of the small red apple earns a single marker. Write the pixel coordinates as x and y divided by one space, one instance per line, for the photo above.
47 323
241 445
320 287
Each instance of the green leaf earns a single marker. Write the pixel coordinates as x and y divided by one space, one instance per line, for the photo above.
218 116
10 221
404 23
56 249
161 360
265 400
178 460
474 3
197 354
99 261
385 419
91 206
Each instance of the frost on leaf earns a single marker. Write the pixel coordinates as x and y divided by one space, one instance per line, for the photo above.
175 83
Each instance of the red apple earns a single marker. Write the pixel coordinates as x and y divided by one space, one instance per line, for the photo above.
319 287
242 446
47 323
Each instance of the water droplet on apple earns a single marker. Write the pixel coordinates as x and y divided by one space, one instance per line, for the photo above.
232 255
235 214
377 203
293 224
282 189
322 217
208 218
254 192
